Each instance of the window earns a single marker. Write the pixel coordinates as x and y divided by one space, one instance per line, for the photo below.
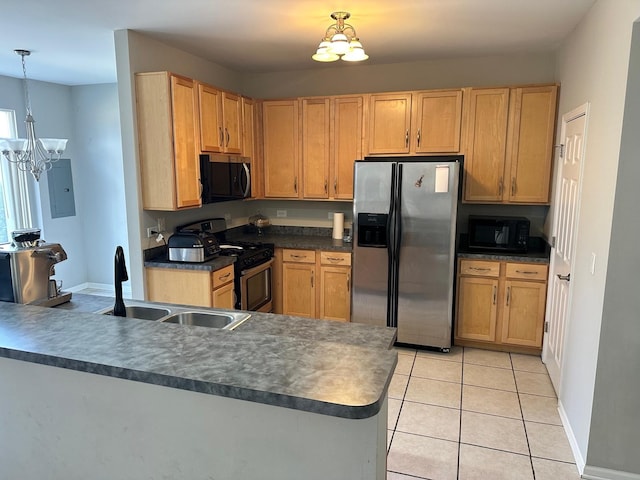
15 211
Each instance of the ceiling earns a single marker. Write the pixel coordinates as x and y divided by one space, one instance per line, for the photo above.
72 40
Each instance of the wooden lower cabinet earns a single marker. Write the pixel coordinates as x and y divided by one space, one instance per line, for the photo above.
501 305
315 284
199 288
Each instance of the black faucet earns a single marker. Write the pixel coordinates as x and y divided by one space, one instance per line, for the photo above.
120 275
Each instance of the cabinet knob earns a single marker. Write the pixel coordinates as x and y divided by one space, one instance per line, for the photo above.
495 294
406 139
295 184
312 275
419 138
335 185
508 296
326 185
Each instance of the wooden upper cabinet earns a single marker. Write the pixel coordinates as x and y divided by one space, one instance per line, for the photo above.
486 144
437 117
281 148
232 123
509 149
167 133
346 133
248 128
210 116
389 123
315 147
532 129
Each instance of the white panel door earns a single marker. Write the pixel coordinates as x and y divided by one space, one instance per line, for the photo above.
568 189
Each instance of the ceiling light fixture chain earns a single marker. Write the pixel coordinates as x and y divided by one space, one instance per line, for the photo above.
340 41
31 154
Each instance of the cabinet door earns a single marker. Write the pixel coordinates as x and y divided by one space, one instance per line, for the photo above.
186 287
389 123
299 290
477 308
224 297
187 160
486 145
210 103
335 293
531 136
347 144
523 313
248 128
436 123
232 121
315 147
280 132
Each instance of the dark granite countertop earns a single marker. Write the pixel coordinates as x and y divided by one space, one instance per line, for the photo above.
162 260
324 367
538 252
309 238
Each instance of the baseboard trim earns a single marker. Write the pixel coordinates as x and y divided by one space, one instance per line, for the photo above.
577 455
597 473
107 288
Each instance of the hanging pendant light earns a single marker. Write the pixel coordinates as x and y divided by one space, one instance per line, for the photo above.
340 41
31 154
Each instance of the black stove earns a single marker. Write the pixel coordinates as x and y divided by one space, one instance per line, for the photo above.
249 254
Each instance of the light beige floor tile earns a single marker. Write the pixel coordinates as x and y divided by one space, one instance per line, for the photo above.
540 409
487 358
399 476
548 441
429 420
423 457
528 363
434 392
550 470
389 437
493 432
398 386
405 351
454 355
437 369
489 377
393 412
405 362
491 401
534 383
478 463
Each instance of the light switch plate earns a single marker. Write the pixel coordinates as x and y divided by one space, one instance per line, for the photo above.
281 213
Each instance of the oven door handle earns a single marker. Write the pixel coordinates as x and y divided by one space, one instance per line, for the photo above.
258 268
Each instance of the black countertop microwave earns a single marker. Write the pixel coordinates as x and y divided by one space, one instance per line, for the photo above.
224 177
498 233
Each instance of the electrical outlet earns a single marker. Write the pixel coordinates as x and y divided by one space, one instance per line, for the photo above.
151 231
162 224
281 213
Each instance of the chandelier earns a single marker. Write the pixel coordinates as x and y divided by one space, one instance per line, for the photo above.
31 154
340 41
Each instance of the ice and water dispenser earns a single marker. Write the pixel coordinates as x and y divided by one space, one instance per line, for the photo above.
372 230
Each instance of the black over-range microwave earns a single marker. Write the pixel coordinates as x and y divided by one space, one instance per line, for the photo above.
224 177
497 233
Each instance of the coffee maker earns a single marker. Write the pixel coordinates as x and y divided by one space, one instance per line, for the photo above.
26 270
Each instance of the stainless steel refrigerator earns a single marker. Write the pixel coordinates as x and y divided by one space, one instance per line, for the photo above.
404 228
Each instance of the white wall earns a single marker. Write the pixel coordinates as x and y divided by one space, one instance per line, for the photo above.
592 67
615 427
100 177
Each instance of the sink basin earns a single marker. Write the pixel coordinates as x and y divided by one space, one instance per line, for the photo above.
144 313
227 321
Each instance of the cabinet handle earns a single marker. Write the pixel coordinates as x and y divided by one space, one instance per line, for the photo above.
513 186
295 184
526 272
406 139
335 259
500 186
312 275
227 133
335 185
495 293
224 277
298 256
221 136
480 269
508 295
348 282
326 190
419 138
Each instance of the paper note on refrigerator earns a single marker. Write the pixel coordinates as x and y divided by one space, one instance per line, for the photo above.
442 179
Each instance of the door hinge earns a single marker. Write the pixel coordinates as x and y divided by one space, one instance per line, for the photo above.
546 327
561 147
553 242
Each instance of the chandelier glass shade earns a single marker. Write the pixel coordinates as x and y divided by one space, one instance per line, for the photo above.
340 42
31 154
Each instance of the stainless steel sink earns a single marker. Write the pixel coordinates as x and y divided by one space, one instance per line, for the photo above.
143 313
226 321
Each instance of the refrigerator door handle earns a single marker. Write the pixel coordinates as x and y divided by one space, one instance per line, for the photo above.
391 280
398 217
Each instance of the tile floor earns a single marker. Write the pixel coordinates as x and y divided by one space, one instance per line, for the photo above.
474 414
